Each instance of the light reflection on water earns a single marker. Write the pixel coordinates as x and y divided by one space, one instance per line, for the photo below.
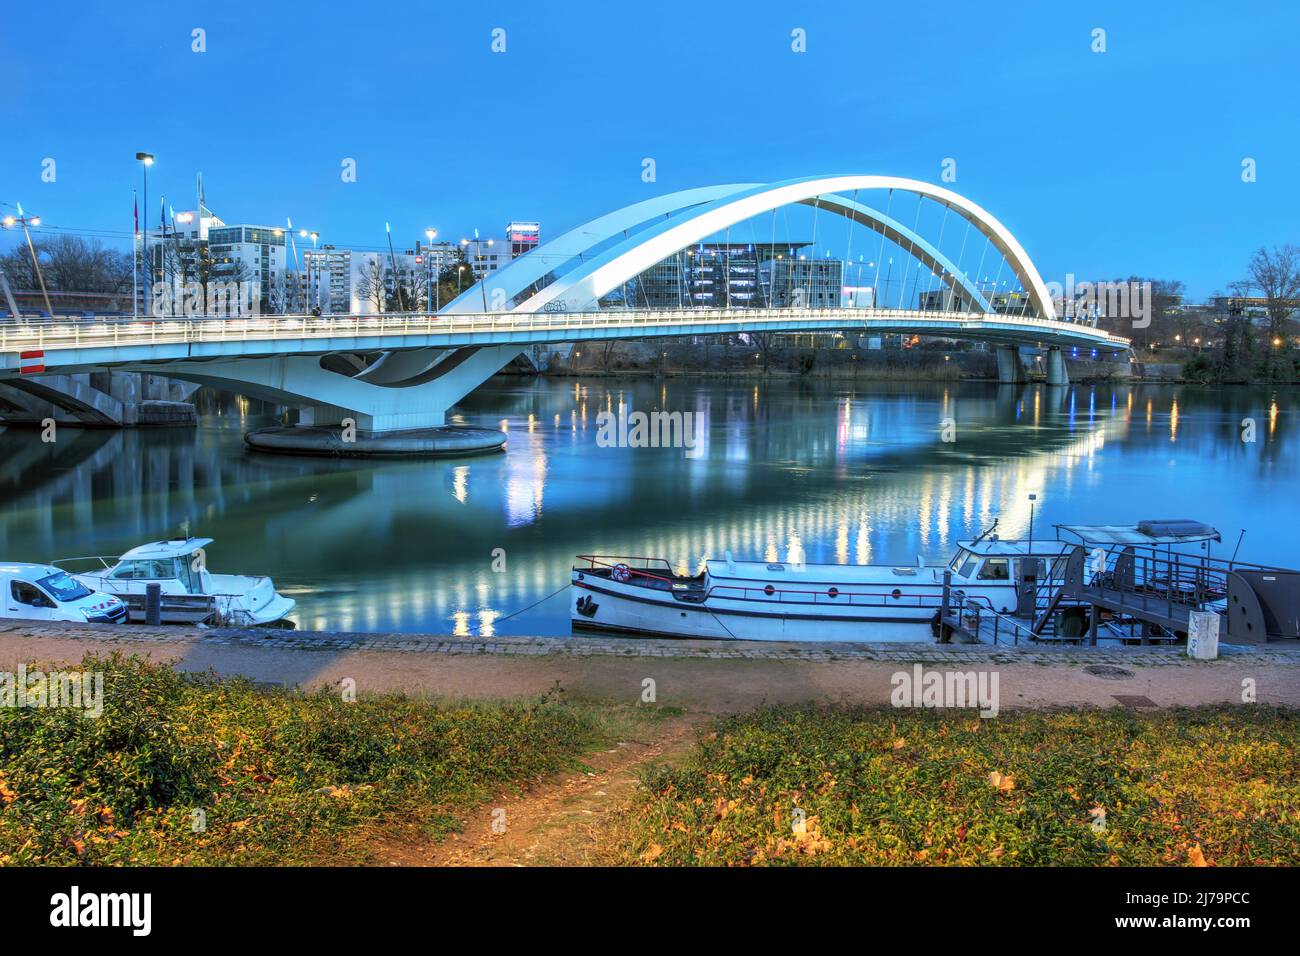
785 471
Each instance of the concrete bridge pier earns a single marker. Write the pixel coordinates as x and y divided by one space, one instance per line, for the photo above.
1011 371
393 407
96 400
1057 374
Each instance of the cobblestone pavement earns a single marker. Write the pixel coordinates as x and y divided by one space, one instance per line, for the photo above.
621 647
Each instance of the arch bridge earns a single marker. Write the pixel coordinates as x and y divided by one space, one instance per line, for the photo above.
399 371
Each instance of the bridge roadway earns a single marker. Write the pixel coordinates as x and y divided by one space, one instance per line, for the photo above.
78 344
428 362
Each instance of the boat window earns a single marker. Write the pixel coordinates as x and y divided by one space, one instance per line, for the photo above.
186 571
995 569
151 569
961 555
968 566
64 587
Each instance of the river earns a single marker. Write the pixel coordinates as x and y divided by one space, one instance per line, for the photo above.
782 470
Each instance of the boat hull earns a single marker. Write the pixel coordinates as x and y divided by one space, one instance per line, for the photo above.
597 603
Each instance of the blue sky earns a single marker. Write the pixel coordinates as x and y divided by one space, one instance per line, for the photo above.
1124 162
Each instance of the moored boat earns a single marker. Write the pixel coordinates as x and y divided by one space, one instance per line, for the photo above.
191 594
1017 584
782 601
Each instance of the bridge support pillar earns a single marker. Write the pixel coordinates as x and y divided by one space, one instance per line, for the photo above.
1057 374
1011 371
349 415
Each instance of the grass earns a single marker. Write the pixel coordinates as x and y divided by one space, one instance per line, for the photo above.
183 770
807 785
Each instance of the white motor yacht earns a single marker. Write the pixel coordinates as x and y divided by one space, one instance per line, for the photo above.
191 594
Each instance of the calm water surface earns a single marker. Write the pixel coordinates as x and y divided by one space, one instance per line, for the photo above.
820 471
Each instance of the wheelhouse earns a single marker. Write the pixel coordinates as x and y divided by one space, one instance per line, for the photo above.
992 561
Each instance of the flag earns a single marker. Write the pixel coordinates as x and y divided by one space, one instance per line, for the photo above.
135 209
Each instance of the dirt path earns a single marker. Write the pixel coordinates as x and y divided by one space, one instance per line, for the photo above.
563 820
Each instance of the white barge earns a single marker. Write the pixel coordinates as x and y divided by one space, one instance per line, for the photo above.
991 589
757 601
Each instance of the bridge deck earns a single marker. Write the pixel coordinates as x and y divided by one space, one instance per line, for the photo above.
94 342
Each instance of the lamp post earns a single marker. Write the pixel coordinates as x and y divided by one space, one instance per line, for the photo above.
1032 499
25 221
478 256
397 278
431 234
146 160
314 237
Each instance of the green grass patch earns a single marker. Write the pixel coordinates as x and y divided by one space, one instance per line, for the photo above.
883 786
191 770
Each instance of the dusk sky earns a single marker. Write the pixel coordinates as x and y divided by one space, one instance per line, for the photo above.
1102 164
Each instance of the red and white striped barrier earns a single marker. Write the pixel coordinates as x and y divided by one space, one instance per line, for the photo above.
31 363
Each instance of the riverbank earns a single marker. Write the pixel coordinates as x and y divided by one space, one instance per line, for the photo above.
933 361
708 676
568 752
884 787
737 361
185 770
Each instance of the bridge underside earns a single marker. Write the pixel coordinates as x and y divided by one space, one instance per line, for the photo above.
401 391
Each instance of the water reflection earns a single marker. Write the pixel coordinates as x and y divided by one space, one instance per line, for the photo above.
784 471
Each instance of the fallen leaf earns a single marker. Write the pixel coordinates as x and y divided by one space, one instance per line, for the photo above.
653 852
1196 856
1003 782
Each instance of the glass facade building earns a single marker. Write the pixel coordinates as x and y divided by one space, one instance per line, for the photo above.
734 276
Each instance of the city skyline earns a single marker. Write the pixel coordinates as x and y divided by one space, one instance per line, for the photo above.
731 100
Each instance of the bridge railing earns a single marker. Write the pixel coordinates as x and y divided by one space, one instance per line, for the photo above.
74 332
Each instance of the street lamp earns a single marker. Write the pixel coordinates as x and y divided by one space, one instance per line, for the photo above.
430 234
314 237
478 257
1032 499
25 221
146 160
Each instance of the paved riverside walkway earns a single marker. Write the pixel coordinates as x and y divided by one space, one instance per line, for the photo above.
706 674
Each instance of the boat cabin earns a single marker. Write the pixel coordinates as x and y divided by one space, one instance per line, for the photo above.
173 560
992 560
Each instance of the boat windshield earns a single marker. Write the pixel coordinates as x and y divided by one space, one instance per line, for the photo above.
963 563
151 569
64 587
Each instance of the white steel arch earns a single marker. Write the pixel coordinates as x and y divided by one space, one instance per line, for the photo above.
686 224
515 278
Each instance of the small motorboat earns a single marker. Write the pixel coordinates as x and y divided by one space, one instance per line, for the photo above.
191 594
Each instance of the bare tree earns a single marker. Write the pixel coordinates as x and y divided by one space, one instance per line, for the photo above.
70 264
765 342
371 286
1276 274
